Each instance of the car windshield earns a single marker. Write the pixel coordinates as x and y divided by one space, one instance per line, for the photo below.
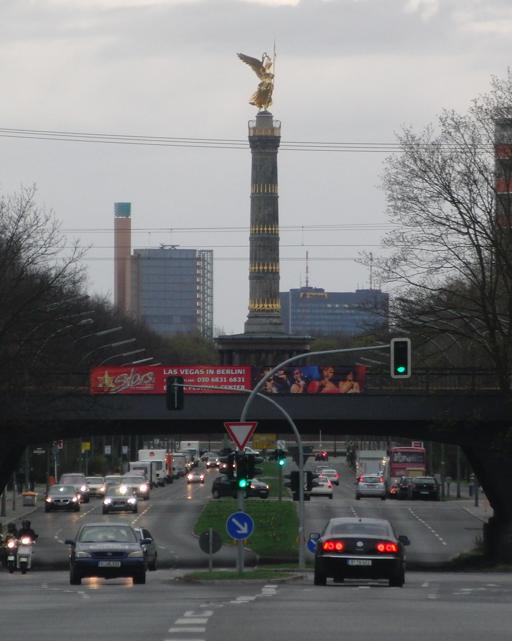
329 472
360 529
71 478
424 480
94 480
133 480
107 533
55 490
371 479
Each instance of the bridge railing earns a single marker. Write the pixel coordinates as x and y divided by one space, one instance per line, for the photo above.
434 380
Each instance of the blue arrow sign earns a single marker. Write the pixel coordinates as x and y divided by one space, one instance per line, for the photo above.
311 545
239 525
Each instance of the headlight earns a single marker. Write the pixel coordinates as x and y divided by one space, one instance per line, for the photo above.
143 488
102 489
138 554
48 499
11 544
74 499
83 555
83 488
107 501
123 489
132 500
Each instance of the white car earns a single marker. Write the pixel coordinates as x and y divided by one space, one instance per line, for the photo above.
331 474
322 487
371 485
195 476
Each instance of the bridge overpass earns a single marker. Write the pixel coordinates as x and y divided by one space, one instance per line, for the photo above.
480 422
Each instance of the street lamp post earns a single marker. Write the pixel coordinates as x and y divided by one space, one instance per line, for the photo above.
124 355
126 341
81 323
243 417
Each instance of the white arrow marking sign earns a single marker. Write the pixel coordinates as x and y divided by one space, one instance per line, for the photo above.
243 528
240 433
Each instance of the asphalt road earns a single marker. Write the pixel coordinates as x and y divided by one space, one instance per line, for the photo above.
170 516
438 531
431 606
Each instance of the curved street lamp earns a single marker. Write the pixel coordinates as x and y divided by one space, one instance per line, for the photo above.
109 358
126 341
81 323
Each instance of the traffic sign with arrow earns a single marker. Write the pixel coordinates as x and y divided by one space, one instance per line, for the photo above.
239 525
240 433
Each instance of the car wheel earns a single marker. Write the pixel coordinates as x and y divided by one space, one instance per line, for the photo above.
397 581
46 509
330 496
77 508
152 565
382 498
358 498
105 511
139 579
86 499
320 579
135 510
74 577
216 494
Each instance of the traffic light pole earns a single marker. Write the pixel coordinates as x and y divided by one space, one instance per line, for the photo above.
256 392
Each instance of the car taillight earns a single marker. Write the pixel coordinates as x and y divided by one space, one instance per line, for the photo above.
386 547
381 479
333 546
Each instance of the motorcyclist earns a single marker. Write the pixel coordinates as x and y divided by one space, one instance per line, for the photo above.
11 533
26 530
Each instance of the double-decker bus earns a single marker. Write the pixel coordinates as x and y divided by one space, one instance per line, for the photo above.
407 461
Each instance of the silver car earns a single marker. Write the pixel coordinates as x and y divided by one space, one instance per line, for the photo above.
371 485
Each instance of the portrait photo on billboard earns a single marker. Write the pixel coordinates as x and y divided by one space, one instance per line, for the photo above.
312 379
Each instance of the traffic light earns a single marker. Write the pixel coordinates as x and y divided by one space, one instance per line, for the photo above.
174 393
400 358
294 484
227 465
252 470
280 457
242 470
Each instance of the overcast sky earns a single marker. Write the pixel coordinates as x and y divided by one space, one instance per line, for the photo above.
347 70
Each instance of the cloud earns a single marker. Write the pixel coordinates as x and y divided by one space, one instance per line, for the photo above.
426 8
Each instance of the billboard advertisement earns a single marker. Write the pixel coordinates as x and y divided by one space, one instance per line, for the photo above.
310 379
151 379
313 379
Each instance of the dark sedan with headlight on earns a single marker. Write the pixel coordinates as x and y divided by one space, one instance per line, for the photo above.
359 548
107 550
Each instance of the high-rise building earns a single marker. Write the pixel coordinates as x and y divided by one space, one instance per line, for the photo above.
312 310
172 289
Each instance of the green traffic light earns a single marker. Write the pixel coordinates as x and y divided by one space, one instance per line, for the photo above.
242 483
401 369
282 462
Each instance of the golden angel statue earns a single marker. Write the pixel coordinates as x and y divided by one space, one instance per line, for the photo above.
262 97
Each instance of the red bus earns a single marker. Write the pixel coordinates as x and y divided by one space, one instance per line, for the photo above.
407 461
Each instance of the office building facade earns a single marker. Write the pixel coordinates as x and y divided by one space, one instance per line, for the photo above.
313 311
172 289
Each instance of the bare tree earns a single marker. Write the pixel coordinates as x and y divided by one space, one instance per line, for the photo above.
449 260
449 256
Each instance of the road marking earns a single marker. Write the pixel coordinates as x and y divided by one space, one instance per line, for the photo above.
141 514
425 585
190 621
197 629
429 527
191 613
86 513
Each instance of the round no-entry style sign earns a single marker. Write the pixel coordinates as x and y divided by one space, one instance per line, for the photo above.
204 541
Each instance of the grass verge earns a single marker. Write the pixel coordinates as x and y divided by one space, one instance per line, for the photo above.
275 525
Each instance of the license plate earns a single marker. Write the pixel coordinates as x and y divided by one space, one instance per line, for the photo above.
109 564
424 492
359 562
11 558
